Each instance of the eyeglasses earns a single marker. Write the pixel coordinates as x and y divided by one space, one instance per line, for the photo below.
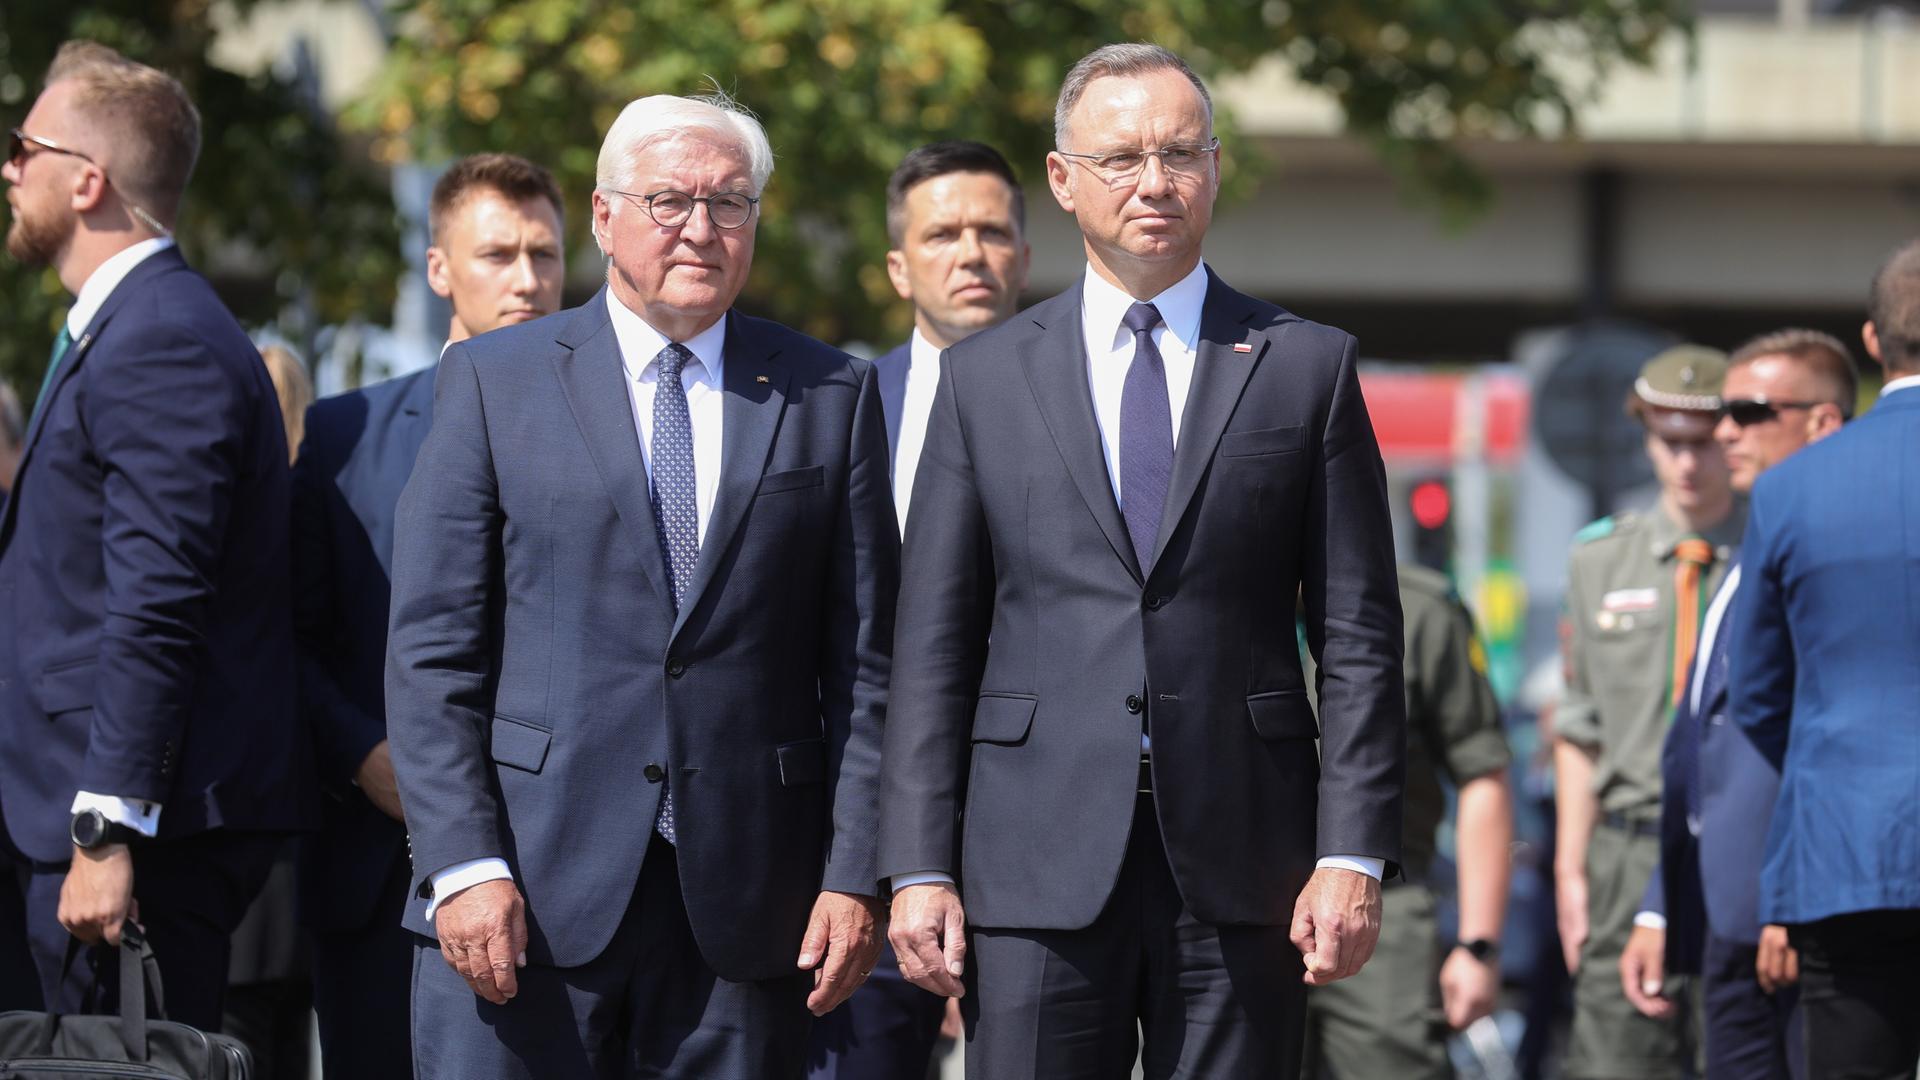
18 141
1747 412
17 154
1127 164
672 209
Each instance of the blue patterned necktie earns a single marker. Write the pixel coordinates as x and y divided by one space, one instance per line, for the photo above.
675 505
1146 435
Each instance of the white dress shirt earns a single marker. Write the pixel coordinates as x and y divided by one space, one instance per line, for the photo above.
1907 382
137 814
1103 307
640 345
916 405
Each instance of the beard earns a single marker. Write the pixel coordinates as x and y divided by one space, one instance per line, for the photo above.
35 240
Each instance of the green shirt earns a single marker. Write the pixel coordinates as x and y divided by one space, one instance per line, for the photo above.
1617 636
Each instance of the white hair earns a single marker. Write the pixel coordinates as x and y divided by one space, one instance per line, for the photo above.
664 115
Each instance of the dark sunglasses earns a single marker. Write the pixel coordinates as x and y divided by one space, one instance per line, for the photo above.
18 141
1747 412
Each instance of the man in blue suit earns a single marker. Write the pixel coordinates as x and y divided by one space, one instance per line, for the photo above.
643 587
1783 391
495 222
146 653
957 219
1825 677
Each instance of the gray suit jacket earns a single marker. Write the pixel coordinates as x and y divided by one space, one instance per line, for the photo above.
1030 640
540 684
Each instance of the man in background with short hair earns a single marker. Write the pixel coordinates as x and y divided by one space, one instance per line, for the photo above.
495 222
957 218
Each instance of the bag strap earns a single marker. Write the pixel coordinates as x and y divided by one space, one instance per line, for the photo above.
139 973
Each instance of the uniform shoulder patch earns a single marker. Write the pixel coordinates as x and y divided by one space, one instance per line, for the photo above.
1599 530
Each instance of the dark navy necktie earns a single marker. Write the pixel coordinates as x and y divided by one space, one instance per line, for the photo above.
1146 435
676 515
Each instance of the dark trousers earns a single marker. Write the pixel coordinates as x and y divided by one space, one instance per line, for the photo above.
1213 1001
648 1006
1750 1034
886 1031
192 892
362 980
1860 995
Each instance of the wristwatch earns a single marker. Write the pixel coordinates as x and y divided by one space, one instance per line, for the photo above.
1485 950
90 829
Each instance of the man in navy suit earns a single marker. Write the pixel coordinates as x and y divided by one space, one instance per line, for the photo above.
643 586
146 652
1099 734
957 218
1783 391
495 222
1825 674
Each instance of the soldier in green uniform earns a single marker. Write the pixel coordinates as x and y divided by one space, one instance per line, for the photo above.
1392 1019
1637 588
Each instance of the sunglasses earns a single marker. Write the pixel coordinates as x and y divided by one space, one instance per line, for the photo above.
1747 412
18 143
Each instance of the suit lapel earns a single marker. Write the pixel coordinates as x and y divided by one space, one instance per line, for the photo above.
1057 374
1219 375
755 398
593 381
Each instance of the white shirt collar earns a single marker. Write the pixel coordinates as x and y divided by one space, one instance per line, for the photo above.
640 343
1906 382
107 277
1179 304
921 351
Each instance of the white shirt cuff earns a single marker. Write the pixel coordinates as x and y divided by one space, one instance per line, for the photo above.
1652 920
923 877
1359 864
465 876
139 815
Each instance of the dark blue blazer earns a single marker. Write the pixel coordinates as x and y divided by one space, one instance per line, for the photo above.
541 683
146 649
1708 875
1827 674
890 372
359 450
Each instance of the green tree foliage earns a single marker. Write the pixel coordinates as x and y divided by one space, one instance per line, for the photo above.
846 87
293 222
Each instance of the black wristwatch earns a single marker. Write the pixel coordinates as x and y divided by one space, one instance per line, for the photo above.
90 829
1485 950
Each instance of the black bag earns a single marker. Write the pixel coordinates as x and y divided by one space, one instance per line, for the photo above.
49 1046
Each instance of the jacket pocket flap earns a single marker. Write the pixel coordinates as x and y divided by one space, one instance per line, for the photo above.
520 744
65 687
1279 440
1283 714
1002 718
803 762
811 476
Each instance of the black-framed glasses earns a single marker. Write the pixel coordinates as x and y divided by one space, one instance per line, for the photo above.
671 209
1747 412
1184 159
17 152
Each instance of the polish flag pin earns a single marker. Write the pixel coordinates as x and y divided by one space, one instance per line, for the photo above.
1242 347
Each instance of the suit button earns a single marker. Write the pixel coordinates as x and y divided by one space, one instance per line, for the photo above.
1134 705
675 668
1155 601
653 773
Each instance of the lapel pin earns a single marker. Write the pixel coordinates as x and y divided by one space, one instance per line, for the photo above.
759 378
1242 347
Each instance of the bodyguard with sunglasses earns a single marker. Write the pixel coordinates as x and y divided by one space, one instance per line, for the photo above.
1699 915
643 586
146 651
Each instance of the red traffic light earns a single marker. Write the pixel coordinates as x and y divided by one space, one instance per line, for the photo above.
1431 502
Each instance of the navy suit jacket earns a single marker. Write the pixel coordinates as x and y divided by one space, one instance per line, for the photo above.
890 372
146 649
1827 674
1032 639
359 450
541 684
1707 877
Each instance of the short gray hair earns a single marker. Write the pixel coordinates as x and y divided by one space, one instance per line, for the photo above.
661 115
1122 61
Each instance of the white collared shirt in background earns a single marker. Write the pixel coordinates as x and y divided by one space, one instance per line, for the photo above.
916 405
